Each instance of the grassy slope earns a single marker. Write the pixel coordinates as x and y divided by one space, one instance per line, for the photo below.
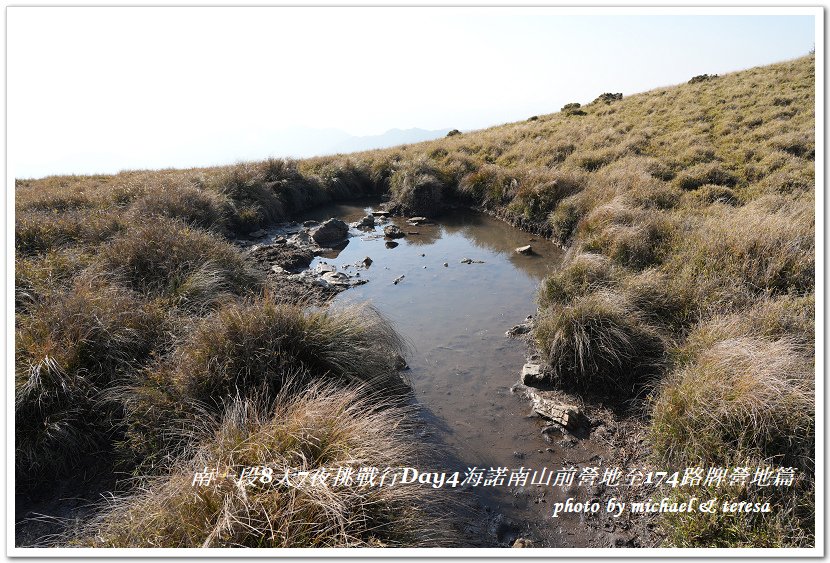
688 287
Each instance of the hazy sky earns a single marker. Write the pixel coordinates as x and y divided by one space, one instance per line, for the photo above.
104 89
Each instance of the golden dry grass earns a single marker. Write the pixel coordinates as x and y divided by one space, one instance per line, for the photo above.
686 209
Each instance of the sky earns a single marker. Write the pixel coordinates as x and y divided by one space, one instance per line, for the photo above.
99 90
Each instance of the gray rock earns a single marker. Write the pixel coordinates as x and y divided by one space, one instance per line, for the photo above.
302 239
392 231
366 262
391 244
417 221
324 268
259 233
522 543
518 330
526 250
380 213
398 280
400 362
471 261
532 374
367 222
331 231
446 265
310 223
336 278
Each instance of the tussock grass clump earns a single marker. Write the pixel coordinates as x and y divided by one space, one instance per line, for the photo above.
766 245
583 274
539 192
324 427
36 276
710 193
164 257
193 206
745 396
705 173
489 185
791 522
37 232
650 292
246 348
598 346
630 237
771 317
343 178
417 189
593 160
252 192
568 213
73 345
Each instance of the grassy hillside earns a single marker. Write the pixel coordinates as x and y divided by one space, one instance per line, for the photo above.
687 293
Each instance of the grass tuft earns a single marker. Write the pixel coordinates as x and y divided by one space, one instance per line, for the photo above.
324 427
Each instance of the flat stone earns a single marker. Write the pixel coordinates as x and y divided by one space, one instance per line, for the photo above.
527 250
398 280
567 416
259 233
471 261
325 268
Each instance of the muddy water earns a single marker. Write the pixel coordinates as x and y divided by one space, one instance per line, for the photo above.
462 365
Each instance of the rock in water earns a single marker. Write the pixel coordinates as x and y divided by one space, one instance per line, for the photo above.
393 231
471 261
391 244
331 231
398 280
526 250
366 222
259 233
519 330
366 262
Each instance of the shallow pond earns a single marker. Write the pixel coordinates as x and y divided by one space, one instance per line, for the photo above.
454 318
